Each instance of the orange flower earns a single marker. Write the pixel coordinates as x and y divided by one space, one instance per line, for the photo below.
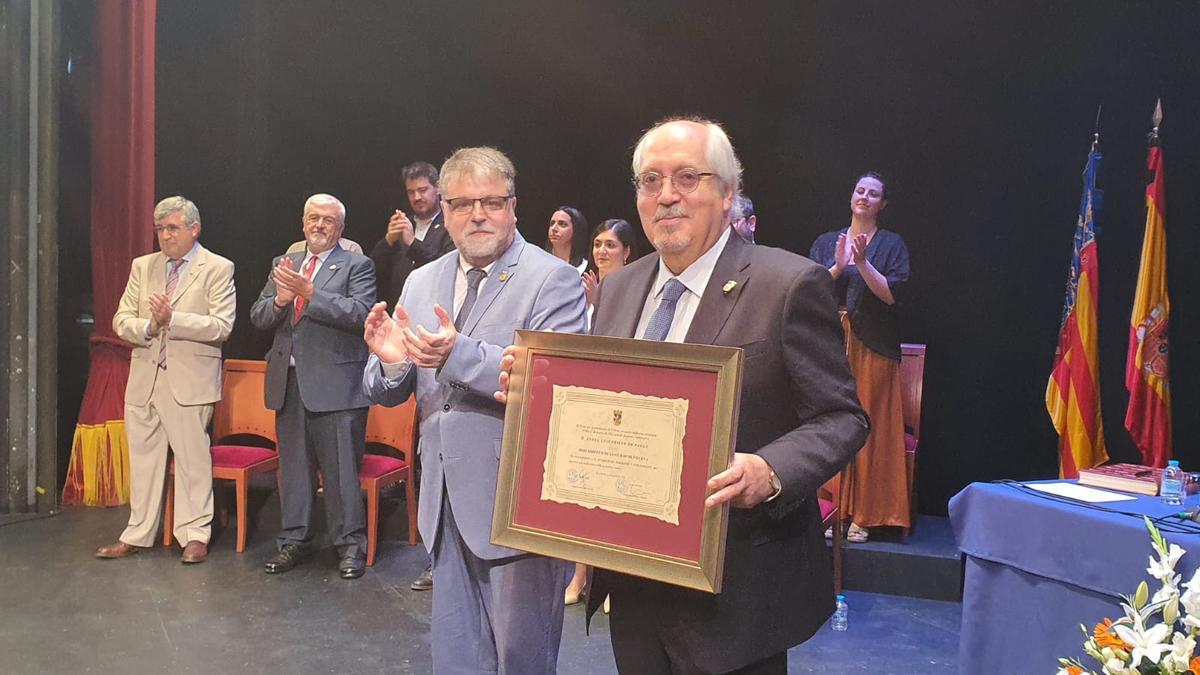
1076 670
1105 637
1194 665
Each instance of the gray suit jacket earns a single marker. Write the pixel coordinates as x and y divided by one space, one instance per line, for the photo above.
327 342
799 411
461 424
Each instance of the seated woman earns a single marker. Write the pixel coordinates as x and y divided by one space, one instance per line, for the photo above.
870 267
613 246
567 237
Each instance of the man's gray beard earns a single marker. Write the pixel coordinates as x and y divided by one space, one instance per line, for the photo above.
671 243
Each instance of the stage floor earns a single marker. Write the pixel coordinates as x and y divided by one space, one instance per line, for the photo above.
63 611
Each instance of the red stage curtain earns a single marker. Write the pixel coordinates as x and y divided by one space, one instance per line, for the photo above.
122 204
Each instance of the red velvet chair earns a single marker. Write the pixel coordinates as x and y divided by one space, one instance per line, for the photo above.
240 411
395 428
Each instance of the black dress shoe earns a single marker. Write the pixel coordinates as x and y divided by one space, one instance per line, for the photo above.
424 582
352 566
288 557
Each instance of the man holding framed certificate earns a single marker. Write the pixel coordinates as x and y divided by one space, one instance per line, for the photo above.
799 423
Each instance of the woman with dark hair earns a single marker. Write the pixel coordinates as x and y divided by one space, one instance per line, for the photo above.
869 266
567 237
613 246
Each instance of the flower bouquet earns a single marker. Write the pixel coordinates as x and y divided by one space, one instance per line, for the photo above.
1157 635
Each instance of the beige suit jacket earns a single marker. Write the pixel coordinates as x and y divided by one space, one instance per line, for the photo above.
204 307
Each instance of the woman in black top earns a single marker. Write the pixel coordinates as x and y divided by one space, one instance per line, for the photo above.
870 266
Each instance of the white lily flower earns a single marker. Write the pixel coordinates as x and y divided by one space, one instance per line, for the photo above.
1146 643
1164 568
1166 592
1182 648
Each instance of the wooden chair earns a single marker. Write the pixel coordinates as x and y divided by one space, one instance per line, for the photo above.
395 428
241 411
912 380
834 516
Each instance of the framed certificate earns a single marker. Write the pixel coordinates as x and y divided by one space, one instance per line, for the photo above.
608 447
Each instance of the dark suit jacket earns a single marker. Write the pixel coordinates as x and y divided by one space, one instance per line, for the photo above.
393 263
327 342
799 411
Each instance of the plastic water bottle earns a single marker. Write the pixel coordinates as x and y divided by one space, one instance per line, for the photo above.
1171 489
841 615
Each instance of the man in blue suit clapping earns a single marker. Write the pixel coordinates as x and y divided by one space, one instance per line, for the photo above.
495 609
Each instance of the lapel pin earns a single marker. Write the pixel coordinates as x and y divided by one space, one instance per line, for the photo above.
504 275
729 286
332 268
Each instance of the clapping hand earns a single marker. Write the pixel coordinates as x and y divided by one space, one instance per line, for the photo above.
289 283
590 283
160 312
841 254
400 228
384 335
283 294
430 350
859 249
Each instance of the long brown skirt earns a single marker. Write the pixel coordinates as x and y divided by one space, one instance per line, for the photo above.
878 492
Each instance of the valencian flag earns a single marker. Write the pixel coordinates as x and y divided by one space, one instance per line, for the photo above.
1073 392
1148 417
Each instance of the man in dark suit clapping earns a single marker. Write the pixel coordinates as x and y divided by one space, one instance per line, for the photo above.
316 302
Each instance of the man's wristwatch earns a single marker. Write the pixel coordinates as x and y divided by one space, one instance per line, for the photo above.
776 486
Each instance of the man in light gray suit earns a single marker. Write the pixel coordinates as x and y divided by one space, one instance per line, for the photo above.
316 301
494 609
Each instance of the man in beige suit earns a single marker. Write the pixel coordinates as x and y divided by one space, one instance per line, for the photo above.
178 307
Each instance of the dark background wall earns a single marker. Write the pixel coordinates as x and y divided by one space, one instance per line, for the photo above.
982 114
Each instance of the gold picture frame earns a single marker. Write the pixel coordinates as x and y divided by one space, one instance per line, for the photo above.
704 379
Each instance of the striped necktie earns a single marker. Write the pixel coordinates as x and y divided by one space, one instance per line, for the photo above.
172 282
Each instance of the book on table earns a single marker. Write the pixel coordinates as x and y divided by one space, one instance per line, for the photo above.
1136 478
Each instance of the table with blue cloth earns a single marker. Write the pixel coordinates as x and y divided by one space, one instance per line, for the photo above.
1038 566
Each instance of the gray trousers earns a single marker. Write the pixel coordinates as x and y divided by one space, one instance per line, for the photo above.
334 442
493 616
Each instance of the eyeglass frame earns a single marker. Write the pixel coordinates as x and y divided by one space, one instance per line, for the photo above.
171 228
449 202
700 176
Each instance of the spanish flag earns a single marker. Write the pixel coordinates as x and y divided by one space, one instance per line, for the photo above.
1148 417
1073 392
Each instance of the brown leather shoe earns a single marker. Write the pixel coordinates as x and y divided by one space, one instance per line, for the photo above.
194 552
117 550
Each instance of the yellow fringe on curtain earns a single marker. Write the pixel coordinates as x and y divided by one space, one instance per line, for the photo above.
103 451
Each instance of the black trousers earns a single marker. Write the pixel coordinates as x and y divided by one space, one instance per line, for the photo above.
333 442
640 649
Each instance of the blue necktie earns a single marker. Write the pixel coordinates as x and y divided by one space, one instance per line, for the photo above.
660 320
474 278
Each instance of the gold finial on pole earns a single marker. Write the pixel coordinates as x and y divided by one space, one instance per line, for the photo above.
1096 134
1157 118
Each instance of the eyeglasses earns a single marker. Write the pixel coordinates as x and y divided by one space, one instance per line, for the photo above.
685 180
171 229
463 205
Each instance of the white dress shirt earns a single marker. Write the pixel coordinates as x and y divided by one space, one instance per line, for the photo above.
421 228
695 279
